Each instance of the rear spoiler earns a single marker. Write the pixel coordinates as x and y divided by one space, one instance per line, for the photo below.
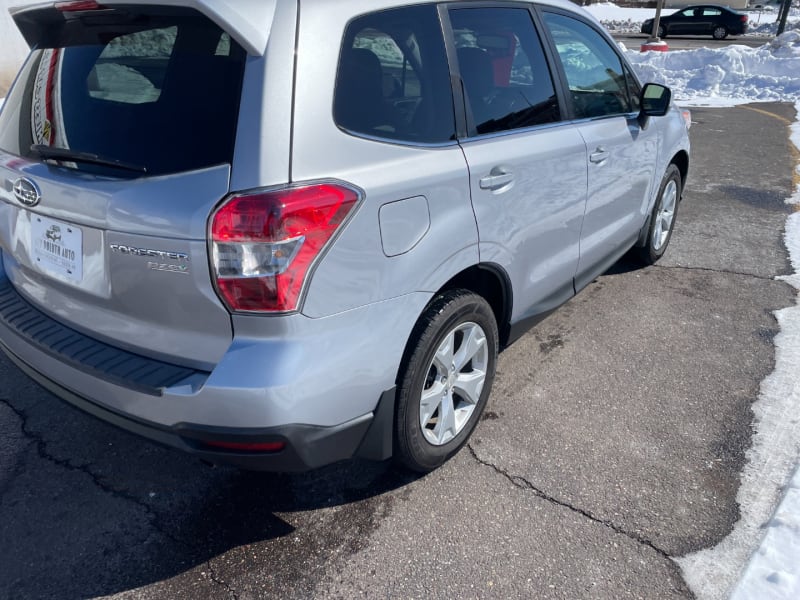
247 21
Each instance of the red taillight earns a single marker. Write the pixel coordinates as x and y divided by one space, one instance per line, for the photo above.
78 5
248 446
744 18
264 243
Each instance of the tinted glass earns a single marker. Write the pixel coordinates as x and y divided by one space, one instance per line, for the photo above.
634 89
503 68
594 71
159 92
393 80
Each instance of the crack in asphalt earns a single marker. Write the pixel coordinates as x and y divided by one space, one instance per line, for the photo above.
717 271
524 484
41 449
213 575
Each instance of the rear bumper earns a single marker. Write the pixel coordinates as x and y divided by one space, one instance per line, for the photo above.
305 447
296 382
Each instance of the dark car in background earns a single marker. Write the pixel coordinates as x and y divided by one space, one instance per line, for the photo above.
717 21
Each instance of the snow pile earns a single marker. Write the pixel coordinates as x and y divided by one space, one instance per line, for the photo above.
623 20
773 569
727 76
623 25
768 27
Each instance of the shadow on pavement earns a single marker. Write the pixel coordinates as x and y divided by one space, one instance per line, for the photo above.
87 510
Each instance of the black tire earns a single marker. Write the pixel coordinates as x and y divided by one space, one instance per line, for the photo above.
720 32
444 315
657 242
662 32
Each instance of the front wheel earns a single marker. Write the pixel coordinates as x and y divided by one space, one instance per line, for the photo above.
445 380
719 33
662 220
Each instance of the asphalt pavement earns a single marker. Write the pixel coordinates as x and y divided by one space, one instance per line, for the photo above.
613 443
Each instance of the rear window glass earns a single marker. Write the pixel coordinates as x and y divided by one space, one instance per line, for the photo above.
144 92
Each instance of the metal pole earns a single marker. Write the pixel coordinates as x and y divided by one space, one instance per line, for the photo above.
657 21
783 15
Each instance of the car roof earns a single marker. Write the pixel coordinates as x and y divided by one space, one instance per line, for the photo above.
706 6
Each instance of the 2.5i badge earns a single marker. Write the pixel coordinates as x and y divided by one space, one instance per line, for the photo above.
57 248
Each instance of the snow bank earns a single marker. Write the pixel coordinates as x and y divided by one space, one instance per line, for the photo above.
771 572
773 569
727 76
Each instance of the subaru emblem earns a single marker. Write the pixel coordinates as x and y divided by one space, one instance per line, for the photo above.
27 192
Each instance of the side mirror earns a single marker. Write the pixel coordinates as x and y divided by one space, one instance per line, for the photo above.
654 100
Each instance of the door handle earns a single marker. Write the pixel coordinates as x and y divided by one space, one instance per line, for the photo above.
497 178
599 155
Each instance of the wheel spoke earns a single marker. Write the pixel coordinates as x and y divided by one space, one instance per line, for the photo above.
446 428
657 231
469 385
473 342
671 196
443 359
431 398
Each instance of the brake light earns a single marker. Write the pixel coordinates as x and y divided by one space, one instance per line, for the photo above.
78 6
264 243
744 18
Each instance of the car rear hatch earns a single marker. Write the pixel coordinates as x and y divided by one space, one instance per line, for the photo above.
116 143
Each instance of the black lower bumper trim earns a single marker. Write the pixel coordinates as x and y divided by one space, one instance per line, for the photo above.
80 351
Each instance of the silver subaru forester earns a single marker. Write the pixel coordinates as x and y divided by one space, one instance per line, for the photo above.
279 234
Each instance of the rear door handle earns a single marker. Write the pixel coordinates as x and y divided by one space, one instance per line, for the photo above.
497 178
599 155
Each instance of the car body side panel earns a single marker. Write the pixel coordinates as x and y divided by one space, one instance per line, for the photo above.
531 227
263 138
355 271
620 186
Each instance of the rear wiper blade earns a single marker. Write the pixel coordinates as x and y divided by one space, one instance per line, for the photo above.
65 154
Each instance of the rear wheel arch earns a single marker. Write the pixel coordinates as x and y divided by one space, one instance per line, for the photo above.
488 280
491 282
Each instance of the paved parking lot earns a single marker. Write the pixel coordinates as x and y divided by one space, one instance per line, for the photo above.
613 443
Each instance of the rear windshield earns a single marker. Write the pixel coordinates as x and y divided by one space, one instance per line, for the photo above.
121 91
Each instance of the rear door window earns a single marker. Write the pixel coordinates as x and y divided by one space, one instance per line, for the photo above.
393 80
152 90
503 69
